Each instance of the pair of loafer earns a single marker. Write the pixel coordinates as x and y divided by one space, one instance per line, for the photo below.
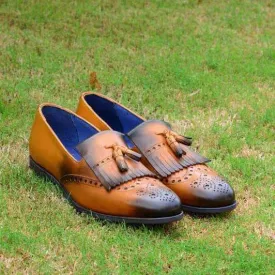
113 164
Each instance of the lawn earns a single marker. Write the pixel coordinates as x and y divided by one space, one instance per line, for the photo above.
207 67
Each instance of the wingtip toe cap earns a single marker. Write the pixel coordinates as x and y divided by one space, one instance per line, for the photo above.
158 202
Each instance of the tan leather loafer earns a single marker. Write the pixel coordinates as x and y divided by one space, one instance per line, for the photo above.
96 171
164 152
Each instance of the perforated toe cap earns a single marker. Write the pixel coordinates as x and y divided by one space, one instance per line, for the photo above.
212 191
200 186
156 200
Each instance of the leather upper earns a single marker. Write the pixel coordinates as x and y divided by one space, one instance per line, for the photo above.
164 152
63 148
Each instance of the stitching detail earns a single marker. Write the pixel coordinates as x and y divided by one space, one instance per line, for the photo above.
71 178
103 162
155 147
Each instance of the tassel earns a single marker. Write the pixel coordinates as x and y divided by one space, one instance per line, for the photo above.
173 138
132 154
172 142
122 165
176 149
184 140
118 156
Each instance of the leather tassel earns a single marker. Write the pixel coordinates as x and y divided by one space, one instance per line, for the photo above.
176 148
132 154
121 164
184 140
172 142
118 156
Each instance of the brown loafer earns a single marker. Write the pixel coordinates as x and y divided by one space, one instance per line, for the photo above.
96 171
164 152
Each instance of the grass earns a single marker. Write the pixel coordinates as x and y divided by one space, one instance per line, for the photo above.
205 66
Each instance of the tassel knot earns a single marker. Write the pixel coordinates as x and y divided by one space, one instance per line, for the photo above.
118 155
173 140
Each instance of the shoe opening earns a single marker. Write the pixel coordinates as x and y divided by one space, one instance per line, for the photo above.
70 129
116 116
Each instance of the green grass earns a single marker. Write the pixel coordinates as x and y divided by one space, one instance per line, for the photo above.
205 66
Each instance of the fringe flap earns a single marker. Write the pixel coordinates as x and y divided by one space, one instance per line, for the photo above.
157 151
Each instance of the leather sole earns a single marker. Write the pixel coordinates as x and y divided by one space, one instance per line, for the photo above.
40 171
209 210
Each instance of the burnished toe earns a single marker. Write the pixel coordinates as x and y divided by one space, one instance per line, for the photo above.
212 191
202 190
156 200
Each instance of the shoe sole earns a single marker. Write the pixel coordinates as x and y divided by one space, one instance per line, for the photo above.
209 210
41 172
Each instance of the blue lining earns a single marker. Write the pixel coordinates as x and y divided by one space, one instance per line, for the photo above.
70 129
116 116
